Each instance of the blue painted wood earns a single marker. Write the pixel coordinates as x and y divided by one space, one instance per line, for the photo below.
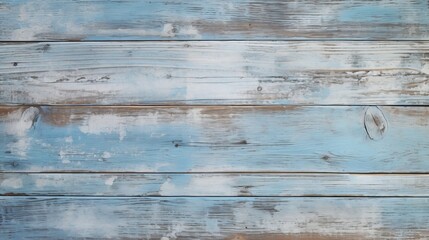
226 185
190 164
27 20
207 139
220 72
214 218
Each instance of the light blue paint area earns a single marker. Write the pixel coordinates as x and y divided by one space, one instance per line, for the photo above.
314 139
378 14
153 218
214 73
215 184
223 19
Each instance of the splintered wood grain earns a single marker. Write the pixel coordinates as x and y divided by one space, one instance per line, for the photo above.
214 218
27 20
226 185
213 73
214 138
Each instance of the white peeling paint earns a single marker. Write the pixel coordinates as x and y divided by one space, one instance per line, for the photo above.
293 219
12 183
106 155
21 121
63 156
86 221
176 229
109 181
33 24
190 31
168 30
18 124
115 124
20 147
107 123
201 185
68 139
42 182
52 180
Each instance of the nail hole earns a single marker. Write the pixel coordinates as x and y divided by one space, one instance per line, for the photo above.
15 64
259 89
176 145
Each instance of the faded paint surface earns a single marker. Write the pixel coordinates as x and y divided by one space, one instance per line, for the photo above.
219 218
224 139
28 20
219 72
290 120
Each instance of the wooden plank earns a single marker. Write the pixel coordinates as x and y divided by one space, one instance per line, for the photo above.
297 73
214 139
27 20
225 185
214 218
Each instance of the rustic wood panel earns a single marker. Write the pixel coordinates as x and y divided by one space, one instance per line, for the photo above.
214 218
214 138
226 185
27 20
215 73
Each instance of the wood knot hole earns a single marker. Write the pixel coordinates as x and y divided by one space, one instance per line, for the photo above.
375 123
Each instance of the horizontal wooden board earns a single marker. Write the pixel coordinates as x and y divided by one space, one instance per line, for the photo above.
212 73
214 139
27 20
214 218
226 185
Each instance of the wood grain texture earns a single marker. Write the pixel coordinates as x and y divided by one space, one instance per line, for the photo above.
214 138
213 73
225 185
214 218
27 20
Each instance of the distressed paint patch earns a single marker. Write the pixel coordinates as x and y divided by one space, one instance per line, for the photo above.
200 185
98 124
110 180
85 221
297 219
18 124
14 183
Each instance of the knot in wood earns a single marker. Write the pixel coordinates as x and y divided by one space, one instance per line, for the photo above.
375 123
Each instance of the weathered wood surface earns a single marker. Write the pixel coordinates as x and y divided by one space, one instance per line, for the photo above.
226 185
26 20
214 218
214 138
212 73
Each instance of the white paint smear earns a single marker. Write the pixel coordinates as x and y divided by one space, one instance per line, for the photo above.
109 123
86 221
201 185
18 124
12 183
294 219
109 181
